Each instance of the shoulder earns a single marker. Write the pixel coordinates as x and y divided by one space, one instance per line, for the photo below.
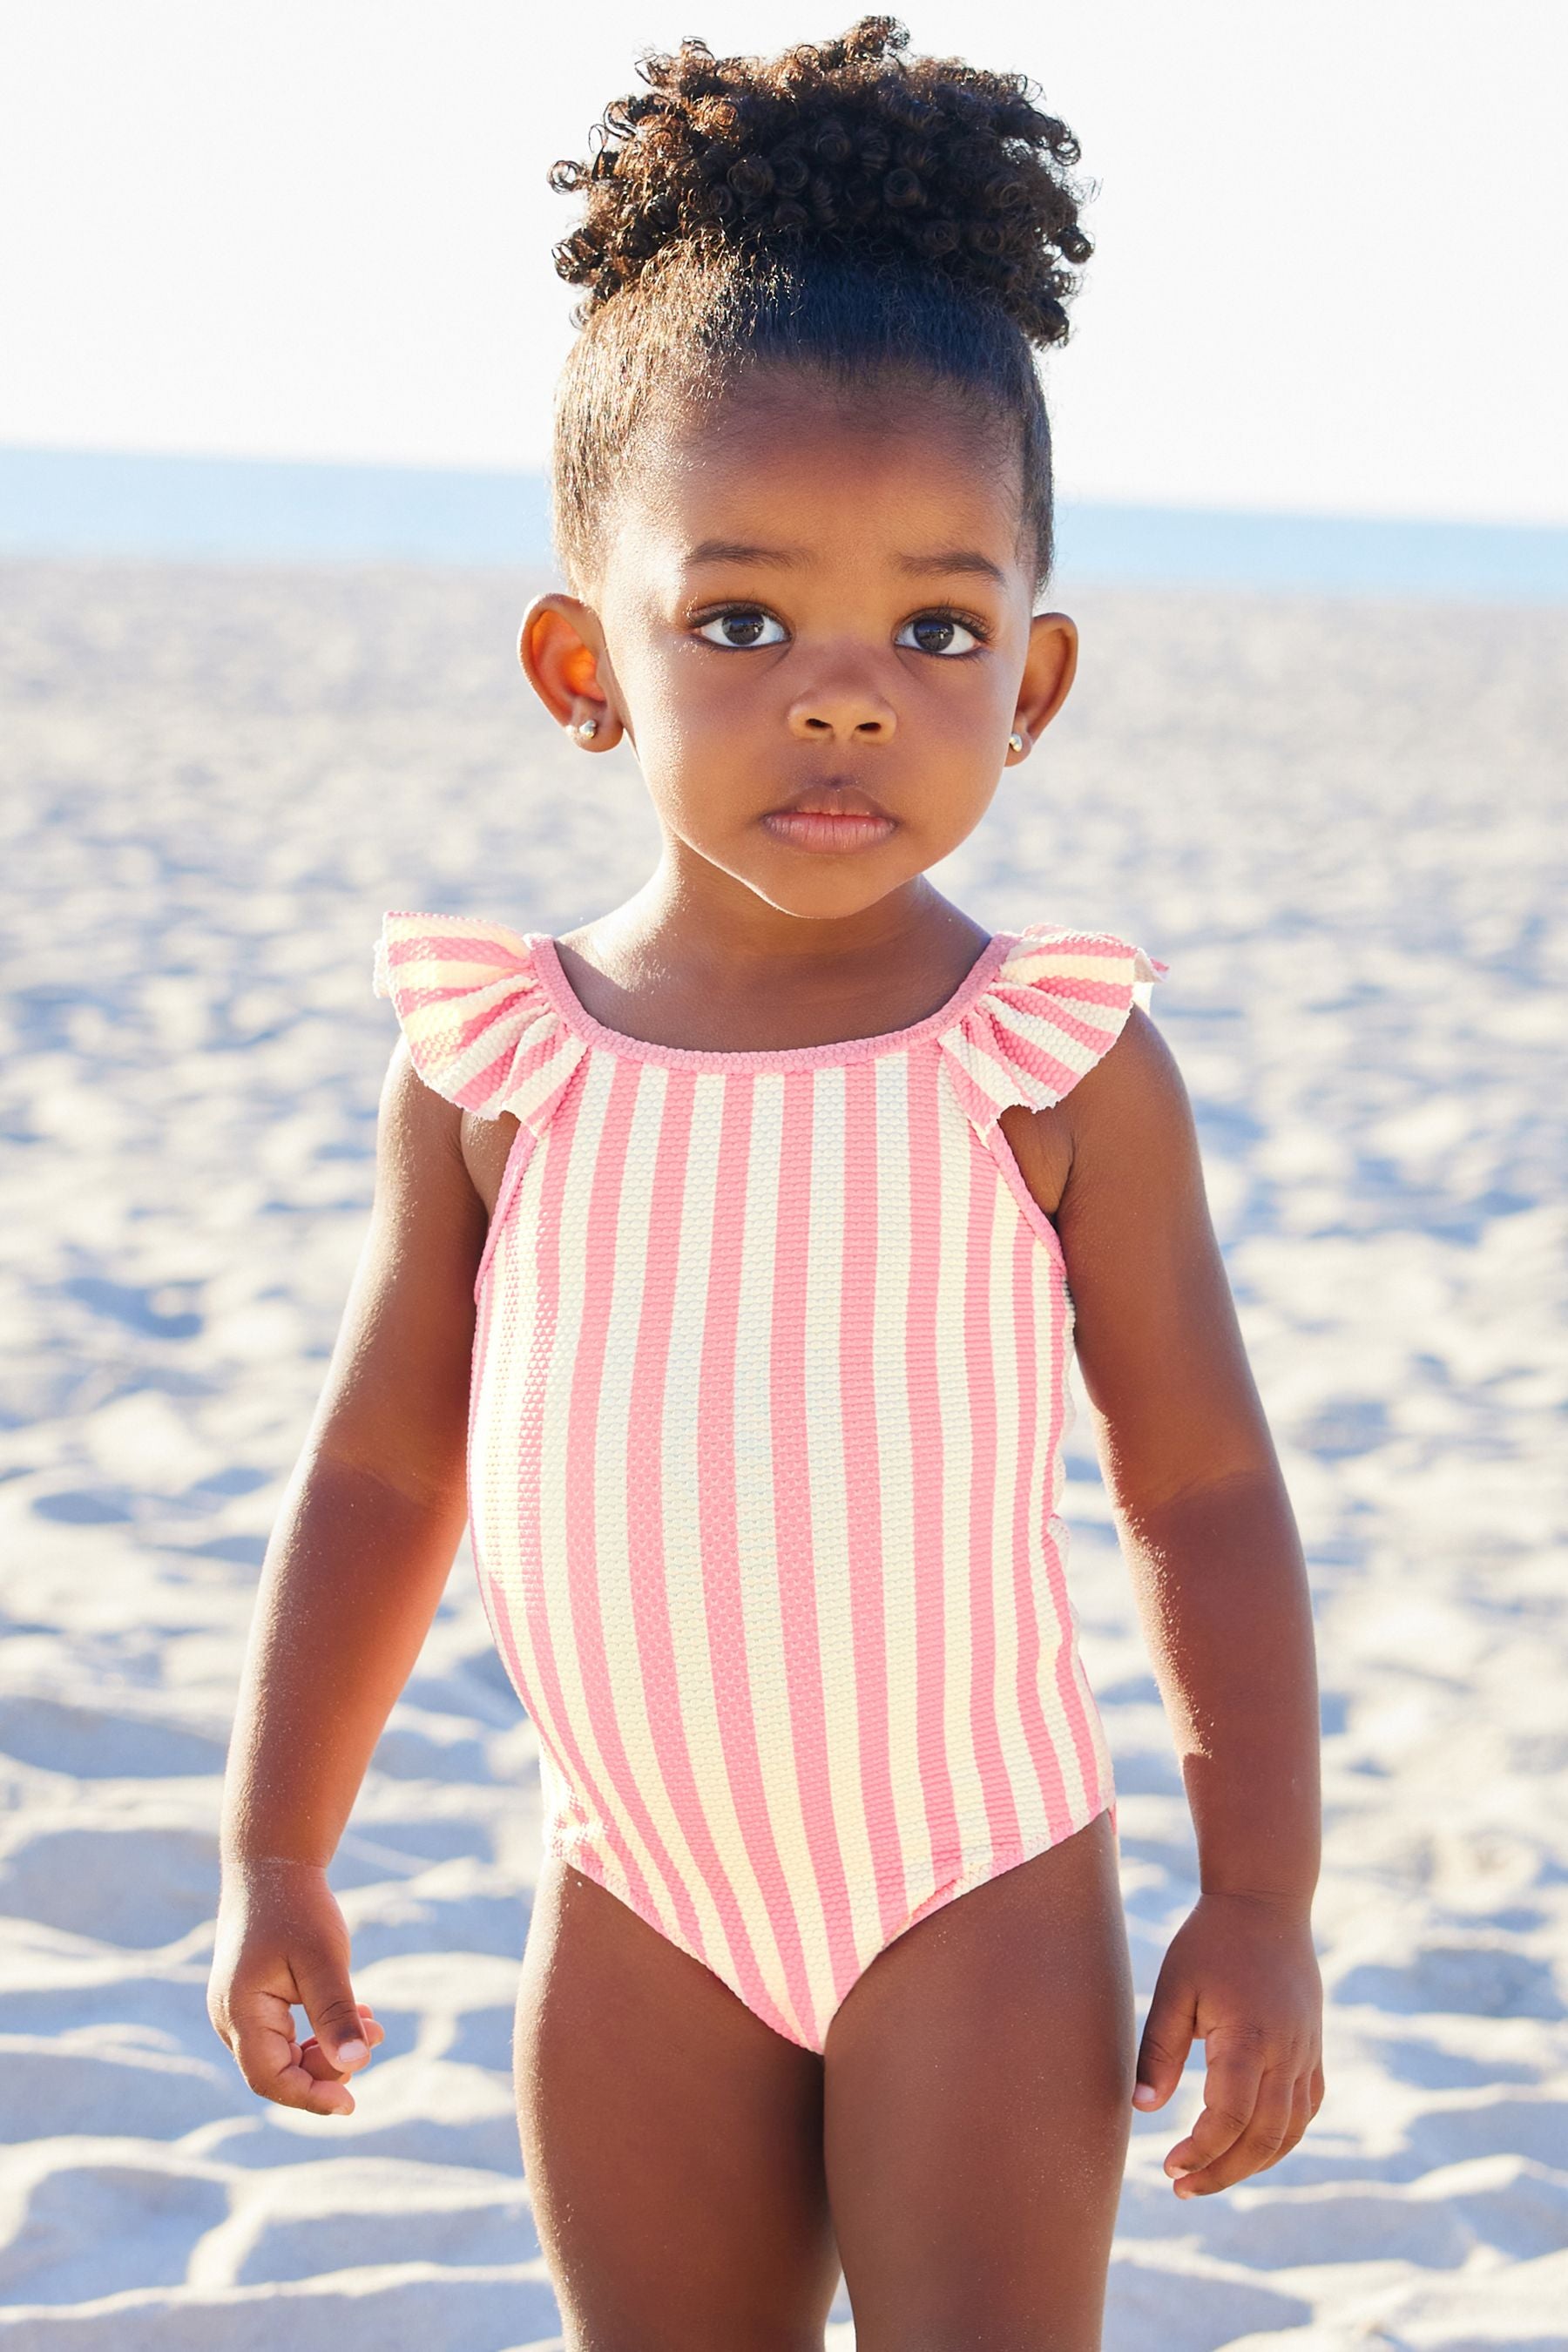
1128 1113
1136 1085
419 1132
1132 1175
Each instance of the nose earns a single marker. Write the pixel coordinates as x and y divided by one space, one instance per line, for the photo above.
842 709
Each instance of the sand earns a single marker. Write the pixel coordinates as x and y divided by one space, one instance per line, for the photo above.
1342 823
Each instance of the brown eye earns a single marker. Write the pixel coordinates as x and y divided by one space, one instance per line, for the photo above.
937 633
741 627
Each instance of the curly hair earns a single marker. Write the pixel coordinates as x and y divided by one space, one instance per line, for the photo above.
837 206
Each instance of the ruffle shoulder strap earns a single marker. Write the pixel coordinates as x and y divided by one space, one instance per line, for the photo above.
1055 1007
480 1028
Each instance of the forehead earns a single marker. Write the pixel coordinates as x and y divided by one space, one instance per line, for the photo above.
861 477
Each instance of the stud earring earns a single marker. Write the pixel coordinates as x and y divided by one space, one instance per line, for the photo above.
587 729
1015 741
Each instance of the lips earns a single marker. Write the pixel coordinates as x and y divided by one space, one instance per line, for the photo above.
830 817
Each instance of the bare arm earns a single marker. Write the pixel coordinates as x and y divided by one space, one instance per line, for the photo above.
1211 1546
355 1571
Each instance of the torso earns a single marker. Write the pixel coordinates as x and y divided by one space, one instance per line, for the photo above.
766 1439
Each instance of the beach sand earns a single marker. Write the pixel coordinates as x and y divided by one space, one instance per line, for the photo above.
1342 823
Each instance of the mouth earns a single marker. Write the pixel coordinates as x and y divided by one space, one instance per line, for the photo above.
839 816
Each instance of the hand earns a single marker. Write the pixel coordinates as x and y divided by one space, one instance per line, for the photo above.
1242 1977
282 1940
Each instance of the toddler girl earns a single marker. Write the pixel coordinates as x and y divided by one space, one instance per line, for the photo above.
725 1261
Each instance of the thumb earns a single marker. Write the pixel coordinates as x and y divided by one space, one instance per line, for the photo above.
1167 2038
327 2000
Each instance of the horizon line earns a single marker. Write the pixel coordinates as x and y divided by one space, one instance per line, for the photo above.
192 506
454 471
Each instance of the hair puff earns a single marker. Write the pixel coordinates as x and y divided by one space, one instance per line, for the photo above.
842 147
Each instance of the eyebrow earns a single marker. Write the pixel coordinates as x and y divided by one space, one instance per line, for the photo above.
951 559
955 559
735 550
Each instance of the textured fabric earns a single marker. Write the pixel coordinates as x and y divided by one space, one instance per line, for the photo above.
765 1444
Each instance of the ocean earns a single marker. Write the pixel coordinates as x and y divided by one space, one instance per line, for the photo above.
95 503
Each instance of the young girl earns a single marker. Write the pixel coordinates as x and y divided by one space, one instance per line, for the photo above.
725 1259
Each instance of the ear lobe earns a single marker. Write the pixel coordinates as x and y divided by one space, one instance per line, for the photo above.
559 650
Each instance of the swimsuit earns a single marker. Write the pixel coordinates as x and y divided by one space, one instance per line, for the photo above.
765 1426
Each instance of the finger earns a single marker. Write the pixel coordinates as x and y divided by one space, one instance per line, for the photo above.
271 2060
1230 2094
327 1998
1167 2038
1299 2117
315 2058
1316 2088
1255 2147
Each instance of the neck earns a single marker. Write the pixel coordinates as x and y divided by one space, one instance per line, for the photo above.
702 918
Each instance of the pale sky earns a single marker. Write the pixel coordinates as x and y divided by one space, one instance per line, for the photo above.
1330 234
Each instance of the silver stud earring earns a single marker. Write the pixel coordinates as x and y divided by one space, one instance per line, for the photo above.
1015 741
587 729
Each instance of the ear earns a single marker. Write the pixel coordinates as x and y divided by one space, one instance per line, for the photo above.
561 649
1049 666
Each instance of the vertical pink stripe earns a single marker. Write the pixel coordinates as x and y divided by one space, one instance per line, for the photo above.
863 1489
980 1344
926 1106
1067 1683
557 1150
1037 1731
723 1601
792 1520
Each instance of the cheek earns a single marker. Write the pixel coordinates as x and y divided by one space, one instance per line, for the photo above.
958 708
688 710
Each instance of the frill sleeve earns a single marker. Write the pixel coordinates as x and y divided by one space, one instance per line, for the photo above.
480 1027
1055 1007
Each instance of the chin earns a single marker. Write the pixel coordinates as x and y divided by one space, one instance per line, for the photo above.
824 898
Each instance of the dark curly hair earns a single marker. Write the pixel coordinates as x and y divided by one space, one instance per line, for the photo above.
835 207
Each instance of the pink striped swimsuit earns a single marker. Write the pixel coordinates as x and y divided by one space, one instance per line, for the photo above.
766 1438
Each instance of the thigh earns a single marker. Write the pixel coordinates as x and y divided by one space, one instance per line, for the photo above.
978 2085
672 2141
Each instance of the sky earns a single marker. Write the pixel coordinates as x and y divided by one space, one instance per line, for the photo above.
1330 235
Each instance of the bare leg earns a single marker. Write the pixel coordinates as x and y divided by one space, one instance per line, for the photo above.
979 2086
672 2142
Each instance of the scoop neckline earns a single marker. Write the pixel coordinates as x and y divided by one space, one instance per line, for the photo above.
551 976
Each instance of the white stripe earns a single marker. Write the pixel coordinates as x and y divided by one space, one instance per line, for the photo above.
1048 962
